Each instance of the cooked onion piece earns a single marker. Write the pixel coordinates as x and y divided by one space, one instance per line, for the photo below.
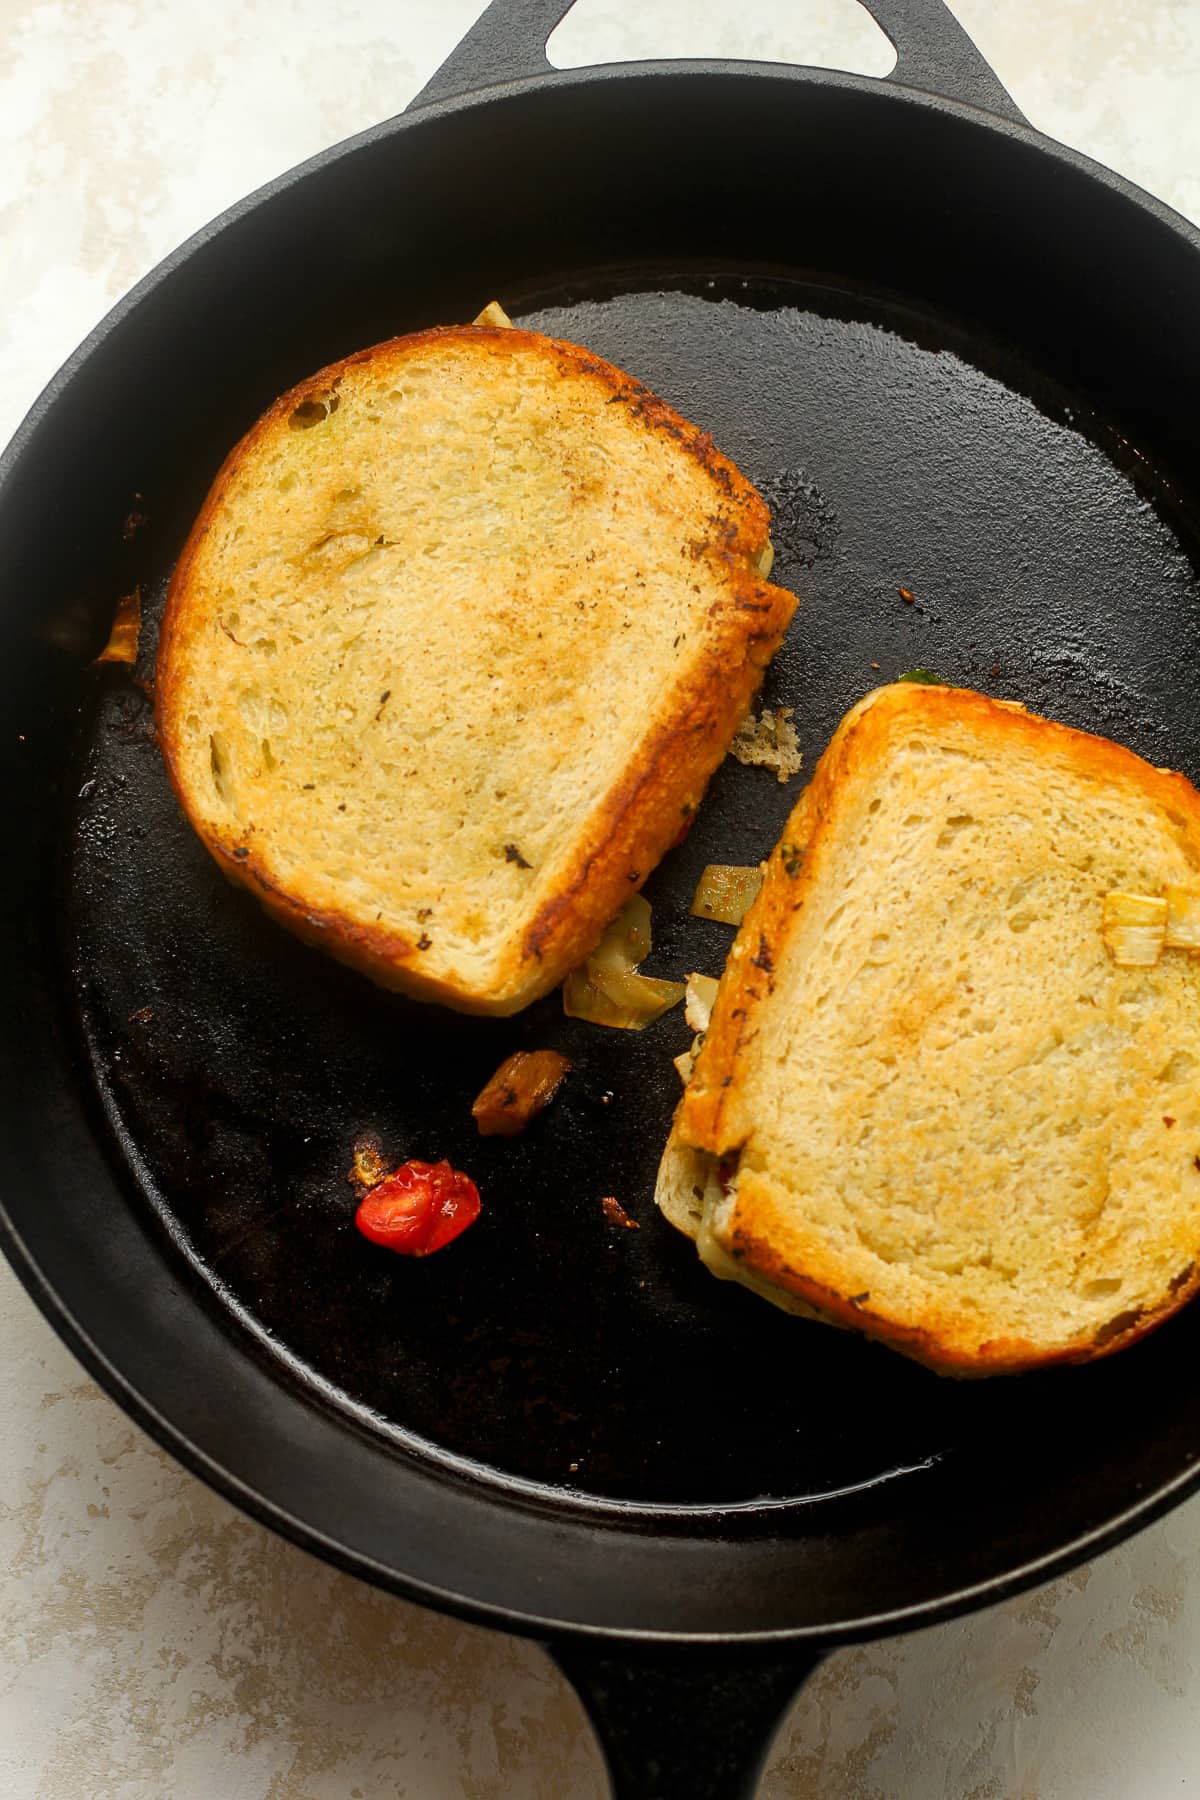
606 990
725 892
122 645
581 1000
494 314
639 998
619 998
523 1085
1134 929
1183 917
626 942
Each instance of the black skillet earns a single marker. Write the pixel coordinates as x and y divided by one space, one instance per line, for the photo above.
960 360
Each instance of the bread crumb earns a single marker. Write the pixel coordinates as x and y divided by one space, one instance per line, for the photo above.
770 742
615 1213
368 1168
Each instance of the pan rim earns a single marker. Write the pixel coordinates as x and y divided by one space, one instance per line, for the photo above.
696 70
528 1622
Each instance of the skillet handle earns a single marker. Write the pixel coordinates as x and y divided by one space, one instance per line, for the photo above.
506 43
683 1724
933 52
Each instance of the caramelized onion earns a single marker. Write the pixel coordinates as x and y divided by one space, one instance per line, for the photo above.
618 997
725 892
522 1086
626 942
122 645
494 315
607 990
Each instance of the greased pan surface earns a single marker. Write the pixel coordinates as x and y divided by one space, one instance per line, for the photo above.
957 360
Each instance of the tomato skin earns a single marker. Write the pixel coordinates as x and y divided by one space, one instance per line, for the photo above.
419 1208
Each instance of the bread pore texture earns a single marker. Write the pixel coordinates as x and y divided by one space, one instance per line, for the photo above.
464 627
931 1105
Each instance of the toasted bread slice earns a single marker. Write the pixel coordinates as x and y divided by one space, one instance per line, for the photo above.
464 627
930 1104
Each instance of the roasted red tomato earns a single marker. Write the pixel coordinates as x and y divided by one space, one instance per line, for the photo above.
419 1208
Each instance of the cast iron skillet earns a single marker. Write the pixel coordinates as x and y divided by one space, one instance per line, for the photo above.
959 359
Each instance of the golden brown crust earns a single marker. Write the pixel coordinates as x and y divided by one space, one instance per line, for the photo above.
707 1120
643 816
935 1344
704 1117
711 1116
639 819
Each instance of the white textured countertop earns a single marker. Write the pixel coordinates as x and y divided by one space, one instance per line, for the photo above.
154 1644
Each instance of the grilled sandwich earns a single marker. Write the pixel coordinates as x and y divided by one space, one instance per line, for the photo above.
950 1091
465 625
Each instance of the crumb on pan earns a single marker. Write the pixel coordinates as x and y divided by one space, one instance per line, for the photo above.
769 742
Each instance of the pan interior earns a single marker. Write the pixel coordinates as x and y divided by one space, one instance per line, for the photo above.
236 1069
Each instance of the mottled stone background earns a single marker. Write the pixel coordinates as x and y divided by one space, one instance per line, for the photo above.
154 1645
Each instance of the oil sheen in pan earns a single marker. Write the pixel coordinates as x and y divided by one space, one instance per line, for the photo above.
547 1349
